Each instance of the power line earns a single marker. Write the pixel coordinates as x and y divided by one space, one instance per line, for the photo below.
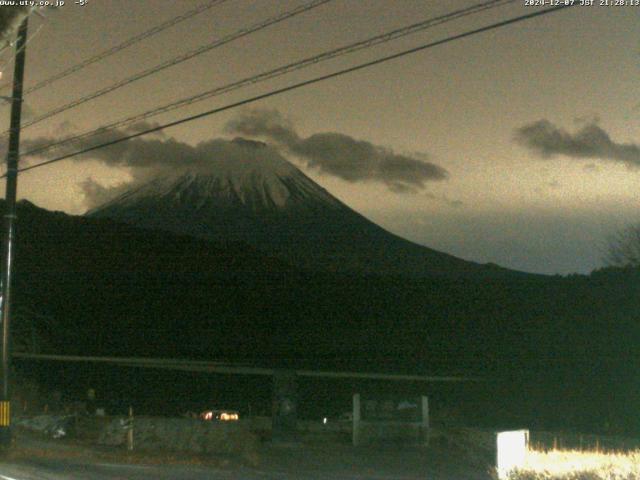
282 70
305 83
126 44
236 368
177 60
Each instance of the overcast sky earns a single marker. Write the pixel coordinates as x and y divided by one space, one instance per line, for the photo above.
519 146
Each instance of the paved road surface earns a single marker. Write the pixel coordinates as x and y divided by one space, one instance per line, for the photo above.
47 469
284 462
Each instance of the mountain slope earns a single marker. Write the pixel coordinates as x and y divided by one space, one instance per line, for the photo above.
271 205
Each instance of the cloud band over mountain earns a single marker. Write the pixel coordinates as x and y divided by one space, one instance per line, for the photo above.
146 158
331 153
591 141
340 155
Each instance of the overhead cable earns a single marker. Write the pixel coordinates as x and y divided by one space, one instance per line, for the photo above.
177 60
279 71
126 44
305 83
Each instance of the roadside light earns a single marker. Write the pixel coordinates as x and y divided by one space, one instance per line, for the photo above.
220 415
228 417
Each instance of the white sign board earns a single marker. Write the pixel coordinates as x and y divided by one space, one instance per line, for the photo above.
511 451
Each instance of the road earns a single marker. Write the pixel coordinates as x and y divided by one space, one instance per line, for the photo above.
61 469
39 459
48 469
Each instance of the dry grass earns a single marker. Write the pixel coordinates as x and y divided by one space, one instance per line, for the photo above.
579 465
29 445
19 453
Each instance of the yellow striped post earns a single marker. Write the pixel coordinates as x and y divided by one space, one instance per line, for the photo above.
5 413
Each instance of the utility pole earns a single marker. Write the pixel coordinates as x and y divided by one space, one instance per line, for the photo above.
7 253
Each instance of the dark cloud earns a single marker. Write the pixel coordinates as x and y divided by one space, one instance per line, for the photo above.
341 155
143 126
145 158
591 141
149 156
67 130
10 19
96 194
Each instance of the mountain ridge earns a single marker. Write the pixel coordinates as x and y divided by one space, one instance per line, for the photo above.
271 205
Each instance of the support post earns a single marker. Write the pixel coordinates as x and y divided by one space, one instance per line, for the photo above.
356 419
130 431
285 407
9 217
425 419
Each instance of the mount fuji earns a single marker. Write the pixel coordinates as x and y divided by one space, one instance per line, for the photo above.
268 203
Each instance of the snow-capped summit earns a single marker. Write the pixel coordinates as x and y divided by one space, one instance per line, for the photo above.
265 201
257 183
